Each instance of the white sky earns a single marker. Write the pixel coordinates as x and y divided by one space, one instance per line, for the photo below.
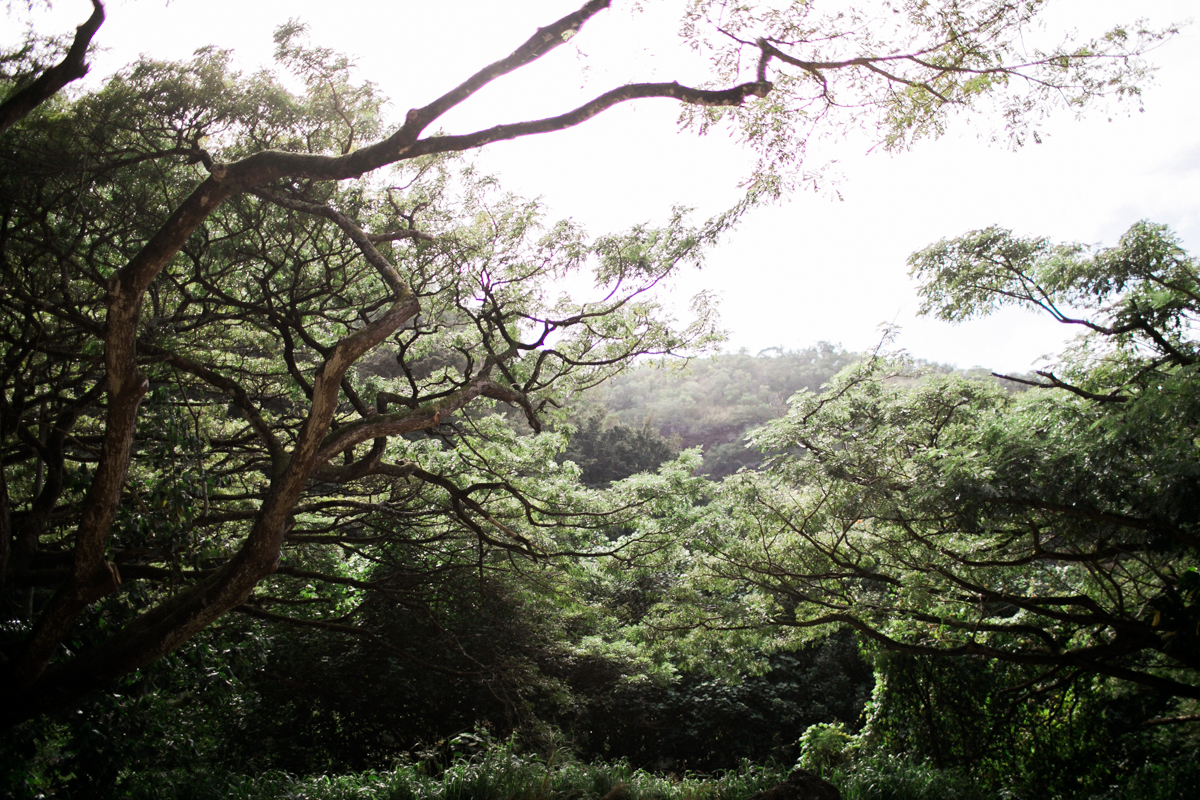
813 268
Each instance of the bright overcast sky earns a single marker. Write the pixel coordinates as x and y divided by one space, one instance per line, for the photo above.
810 269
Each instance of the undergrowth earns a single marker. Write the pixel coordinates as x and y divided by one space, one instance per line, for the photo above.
498 773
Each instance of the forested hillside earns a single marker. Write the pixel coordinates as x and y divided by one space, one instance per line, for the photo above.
714 402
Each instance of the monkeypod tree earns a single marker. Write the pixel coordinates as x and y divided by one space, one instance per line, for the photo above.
416 477
1055 528
242 322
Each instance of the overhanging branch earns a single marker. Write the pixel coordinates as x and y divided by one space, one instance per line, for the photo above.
735 96
73 67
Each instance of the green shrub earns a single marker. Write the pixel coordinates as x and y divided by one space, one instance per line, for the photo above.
824 746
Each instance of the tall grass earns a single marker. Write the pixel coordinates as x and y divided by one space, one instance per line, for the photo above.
498 773
884 778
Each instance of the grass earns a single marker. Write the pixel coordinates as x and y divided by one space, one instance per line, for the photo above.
886 778
499 773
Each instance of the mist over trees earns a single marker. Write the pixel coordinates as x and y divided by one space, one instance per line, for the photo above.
715 402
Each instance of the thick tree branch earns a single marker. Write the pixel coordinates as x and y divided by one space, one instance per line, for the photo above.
73 67
636 91
1055 383
428 415
365 242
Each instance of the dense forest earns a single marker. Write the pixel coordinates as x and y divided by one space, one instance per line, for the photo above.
316 482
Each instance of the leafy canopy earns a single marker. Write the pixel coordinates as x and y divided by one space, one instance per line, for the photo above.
1055 528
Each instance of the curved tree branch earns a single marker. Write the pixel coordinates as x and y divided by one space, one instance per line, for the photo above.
73 67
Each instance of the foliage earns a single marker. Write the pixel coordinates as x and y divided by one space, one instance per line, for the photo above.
482 770
1054 528
971 716
706 723
715 402
493 656
1163 766
898 778
897 70
607 454
824 746
176 714
971 727
324 704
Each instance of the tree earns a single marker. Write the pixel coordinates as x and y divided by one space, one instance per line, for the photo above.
198 267
1055 528
604 454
